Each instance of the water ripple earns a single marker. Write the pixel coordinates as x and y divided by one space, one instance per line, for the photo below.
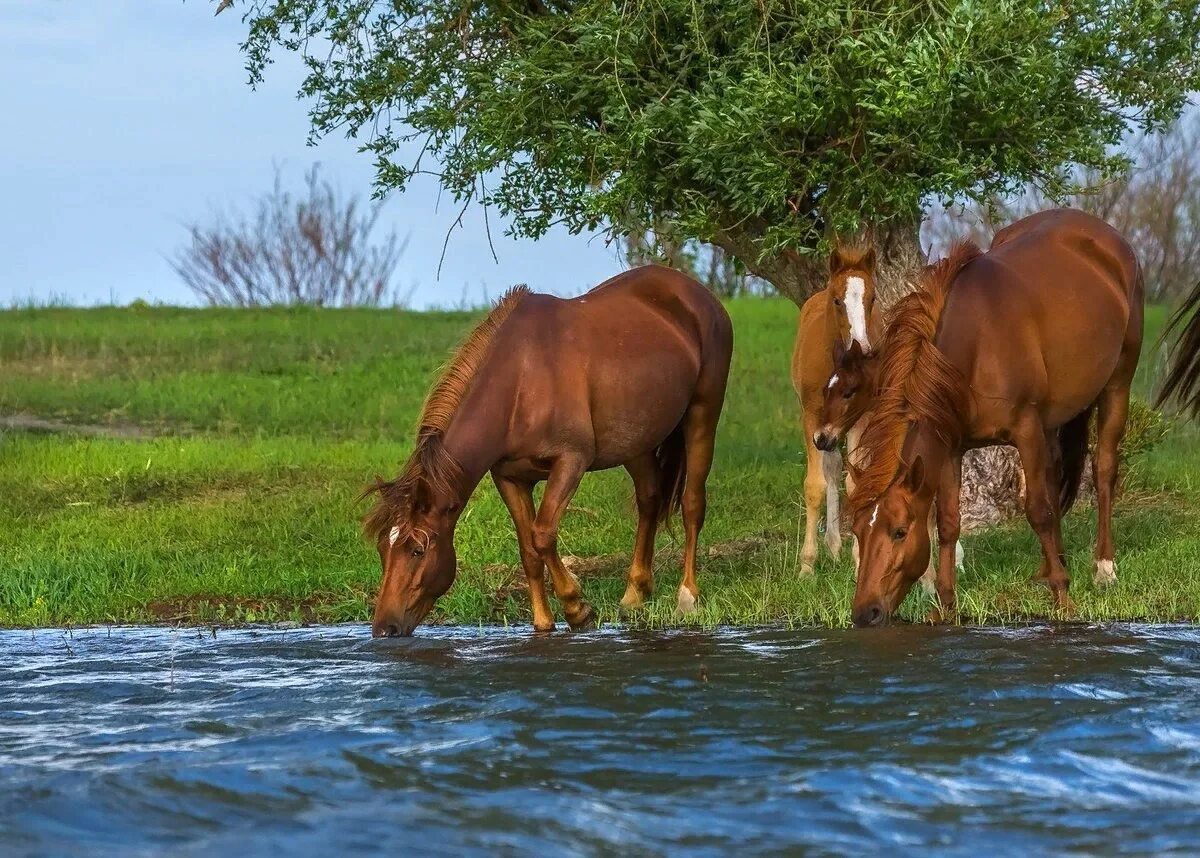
470 741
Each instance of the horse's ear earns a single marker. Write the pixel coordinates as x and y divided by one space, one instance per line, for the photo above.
839 352
422 496
868 260
836 261
915 476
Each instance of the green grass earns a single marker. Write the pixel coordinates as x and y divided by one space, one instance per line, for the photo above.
271 421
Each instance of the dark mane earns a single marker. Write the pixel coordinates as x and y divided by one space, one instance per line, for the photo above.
431 470
916 381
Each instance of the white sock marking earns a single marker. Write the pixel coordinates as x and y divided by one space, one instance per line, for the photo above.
1106 572
856 311
958 556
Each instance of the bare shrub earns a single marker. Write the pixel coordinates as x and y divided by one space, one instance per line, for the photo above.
313 248
1156 206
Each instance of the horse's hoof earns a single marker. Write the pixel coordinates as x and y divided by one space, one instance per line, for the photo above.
1106 573
632 600
584 620
806 570
543 629
687 602
935 617
1064 605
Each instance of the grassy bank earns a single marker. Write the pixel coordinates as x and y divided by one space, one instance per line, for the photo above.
266 424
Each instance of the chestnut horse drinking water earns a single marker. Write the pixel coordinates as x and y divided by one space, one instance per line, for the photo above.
1014 346
632 373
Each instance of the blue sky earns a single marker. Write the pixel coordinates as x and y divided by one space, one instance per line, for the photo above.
124 119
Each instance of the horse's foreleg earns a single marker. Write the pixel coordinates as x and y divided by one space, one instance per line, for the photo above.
814 494
1112 411
831 470
648 489
1041 507
564 479
949 522
699 436
930 575
518 497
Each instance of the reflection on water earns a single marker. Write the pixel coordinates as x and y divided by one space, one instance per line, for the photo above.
470 741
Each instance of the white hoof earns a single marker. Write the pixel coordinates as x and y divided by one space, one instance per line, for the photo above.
958 556
806 569
687 602
632 600
1106 573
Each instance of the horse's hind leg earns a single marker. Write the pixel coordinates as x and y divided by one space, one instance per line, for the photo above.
518 497
564 479
647 487
1112 411
699 433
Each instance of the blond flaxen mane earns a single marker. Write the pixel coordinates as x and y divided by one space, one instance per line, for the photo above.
916 382
431 470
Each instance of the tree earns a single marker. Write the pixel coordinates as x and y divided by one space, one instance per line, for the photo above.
317 248
760 127
1155 205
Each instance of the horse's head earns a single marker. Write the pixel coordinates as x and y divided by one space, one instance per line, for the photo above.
848 394
851 290
413 524
893 544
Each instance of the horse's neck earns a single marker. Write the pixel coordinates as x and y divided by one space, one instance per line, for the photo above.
477 435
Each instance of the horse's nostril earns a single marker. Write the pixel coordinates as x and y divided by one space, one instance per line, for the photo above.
392 631
869 616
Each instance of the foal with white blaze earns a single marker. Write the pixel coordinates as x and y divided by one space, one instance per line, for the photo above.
842 314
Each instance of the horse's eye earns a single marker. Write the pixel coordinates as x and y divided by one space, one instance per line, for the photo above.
899 533
837 302
849 392
418 551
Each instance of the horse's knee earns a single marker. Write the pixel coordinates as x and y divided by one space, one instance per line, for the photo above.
545 540
694 504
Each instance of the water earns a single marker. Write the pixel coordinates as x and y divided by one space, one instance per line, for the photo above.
467 741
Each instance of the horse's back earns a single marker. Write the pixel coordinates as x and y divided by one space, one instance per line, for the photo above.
1047 314
619 365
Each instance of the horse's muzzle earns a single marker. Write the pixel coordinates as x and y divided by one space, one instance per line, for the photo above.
825 440
869 616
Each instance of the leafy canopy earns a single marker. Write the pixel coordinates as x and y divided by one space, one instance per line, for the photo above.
758 125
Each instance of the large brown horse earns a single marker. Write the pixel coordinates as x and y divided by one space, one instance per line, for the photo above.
632 373
1017 346
841 315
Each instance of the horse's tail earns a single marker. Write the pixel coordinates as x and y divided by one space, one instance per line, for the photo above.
1073 442
671 456
1183 378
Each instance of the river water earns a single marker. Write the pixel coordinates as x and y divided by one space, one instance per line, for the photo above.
470 741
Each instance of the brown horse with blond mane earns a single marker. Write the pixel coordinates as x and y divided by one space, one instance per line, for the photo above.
1017 346
840 316
632 373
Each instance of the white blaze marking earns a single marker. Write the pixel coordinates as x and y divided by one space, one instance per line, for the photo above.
856 311
874 515
394 535
832 381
